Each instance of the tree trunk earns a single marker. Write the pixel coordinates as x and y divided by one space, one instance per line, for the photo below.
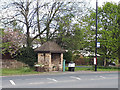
105 62
47 34
28 38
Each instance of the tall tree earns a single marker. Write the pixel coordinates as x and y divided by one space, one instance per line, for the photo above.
21 14
108 30
118 21
41 18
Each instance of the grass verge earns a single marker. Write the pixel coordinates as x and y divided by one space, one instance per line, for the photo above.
26 70
20 71
99 68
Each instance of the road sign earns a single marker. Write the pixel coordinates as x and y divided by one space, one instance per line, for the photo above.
98 44
95 61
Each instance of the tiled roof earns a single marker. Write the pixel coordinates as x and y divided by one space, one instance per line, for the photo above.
50 47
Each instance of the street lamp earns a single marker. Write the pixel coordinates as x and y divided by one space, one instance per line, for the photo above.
96 37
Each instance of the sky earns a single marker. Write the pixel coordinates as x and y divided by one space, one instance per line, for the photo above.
92 2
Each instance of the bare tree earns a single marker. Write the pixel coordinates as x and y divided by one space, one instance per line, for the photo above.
40 18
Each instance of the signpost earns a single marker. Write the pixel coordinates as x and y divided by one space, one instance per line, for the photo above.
96 36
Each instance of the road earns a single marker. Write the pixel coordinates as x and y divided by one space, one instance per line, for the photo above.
63 80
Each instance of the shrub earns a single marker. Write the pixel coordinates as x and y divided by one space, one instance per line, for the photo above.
27 56
68 56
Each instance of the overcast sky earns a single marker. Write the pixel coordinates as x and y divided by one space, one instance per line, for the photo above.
92 2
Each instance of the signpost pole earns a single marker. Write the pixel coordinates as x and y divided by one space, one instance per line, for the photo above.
96 35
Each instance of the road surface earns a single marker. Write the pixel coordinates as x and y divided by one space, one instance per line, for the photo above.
63 80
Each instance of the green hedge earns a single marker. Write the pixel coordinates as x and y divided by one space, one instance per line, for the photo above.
27 56
68 56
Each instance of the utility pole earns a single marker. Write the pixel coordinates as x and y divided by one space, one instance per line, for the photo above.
96 35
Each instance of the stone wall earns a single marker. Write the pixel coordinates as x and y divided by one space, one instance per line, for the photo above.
51 62
45 59
41 58
6 63
55 60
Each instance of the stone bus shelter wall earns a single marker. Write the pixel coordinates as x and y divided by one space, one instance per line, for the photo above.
51 61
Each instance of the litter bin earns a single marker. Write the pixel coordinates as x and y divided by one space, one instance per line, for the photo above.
71 66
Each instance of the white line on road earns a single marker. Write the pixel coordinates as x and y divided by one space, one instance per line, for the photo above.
75 77
38 83
12 82
52 79
102 77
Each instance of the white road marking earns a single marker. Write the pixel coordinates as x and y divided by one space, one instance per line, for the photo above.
52 79
38 83
12 82
102 77
75 77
